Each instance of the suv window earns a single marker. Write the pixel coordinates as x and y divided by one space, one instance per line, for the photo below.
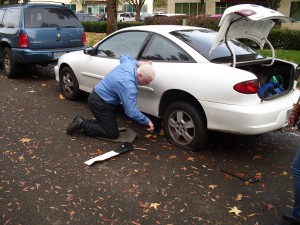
50 17
12 18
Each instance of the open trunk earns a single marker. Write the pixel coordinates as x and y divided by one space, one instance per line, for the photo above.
281 71
254 22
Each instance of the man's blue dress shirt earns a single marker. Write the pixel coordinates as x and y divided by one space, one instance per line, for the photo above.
121 85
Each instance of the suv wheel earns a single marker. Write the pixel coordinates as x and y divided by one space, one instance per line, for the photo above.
69 84
11 69
185 125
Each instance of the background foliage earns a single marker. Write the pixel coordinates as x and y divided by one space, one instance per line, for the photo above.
280 38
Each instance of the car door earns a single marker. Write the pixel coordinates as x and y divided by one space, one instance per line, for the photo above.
107 55
169 61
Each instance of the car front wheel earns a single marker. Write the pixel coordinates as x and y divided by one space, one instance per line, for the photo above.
69 84
185 126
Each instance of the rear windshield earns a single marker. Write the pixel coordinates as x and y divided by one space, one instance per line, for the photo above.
202 40
50 17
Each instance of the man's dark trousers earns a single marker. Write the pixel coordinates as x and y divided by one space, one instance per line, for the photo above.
105 124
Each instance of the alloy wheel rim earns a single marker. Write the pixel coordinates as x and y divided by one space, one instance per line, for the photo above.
181 127
68 84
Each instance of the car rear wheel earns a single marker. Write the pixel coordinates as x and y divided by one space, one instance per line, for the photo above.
11 69
185 126
69 84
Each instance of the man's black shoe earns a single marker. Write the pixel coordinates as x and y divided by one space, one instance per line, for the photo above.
75 125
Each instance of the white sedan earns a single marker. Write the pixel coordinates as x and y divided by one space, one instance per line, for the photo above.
205 80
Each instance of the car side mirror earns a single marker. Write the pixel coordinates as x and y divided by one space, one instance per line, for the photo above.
89 51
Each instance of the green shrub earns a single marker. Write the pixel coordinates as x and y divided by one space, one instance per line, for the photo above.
210 23
285 39
122 25
280 38
167 20
94 26
100 26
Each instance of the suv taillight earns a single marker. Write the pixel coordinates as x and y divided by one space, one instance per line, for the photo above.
84 38
247 87
23 41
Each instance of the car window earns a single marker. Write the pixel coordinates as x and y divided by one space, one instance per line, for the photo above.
128 43
50 17
80 17
1 17
11 18
202 40
161 49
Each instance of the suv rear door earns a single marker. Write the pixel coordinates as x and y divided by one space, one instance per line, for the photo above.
52 27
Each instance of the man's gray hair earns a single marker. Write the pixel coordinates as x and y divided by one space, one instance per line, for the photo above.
146 70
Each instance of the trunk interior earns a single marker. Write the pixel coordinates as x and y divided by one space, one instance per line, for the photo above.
265 75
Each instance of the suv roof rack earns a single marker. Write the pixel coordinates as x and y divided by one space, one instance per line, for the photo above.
28 2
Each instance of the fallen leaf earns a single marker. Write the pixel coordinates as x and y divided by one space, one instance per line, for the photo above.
257 157
143 205
212 186
258 175
191 159
61 96
23 140
154 205
72 213
235 210
269 206
284 173
148 136
238 197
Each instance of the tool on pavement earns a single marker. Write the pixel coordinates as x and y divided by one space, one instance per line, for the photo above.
125 147
254 180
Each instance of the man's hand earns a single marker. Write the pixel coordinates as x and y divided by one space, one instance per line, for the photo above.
150 126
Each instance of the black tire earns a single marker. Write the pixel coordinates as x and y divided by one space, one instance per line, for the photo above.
68 84
185 126
11 69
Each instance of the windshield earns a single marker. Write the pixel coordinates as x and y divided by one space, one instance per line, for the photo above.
37 17
202 40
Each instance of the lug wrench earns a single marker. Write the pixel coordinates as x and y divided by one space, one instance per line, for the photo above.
241 178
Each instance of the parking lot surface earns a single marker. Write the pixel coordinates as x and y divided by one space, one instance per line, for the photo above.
44 179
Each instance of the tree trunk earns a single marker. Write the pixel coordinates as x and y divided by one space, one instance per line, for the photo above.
138 14
112 24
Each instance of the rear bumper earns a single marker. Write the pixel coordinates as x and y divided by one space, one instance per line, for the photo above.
28 56
250 120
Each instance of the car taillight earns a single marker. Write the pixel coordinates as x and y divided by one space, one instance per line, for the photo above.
23 41
247 87
83 38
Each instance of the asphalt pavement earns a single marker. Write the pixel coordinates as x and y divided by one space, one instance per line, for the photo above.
43 178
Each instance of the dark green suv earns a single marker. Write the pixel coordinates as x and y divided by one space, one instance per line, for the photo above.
34 33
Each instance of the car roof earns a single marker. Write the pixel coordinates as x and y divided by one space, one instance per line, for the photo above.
162 29
32 5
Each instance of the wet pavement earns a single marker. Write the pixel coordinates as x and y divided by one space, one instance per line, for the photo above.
44 179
